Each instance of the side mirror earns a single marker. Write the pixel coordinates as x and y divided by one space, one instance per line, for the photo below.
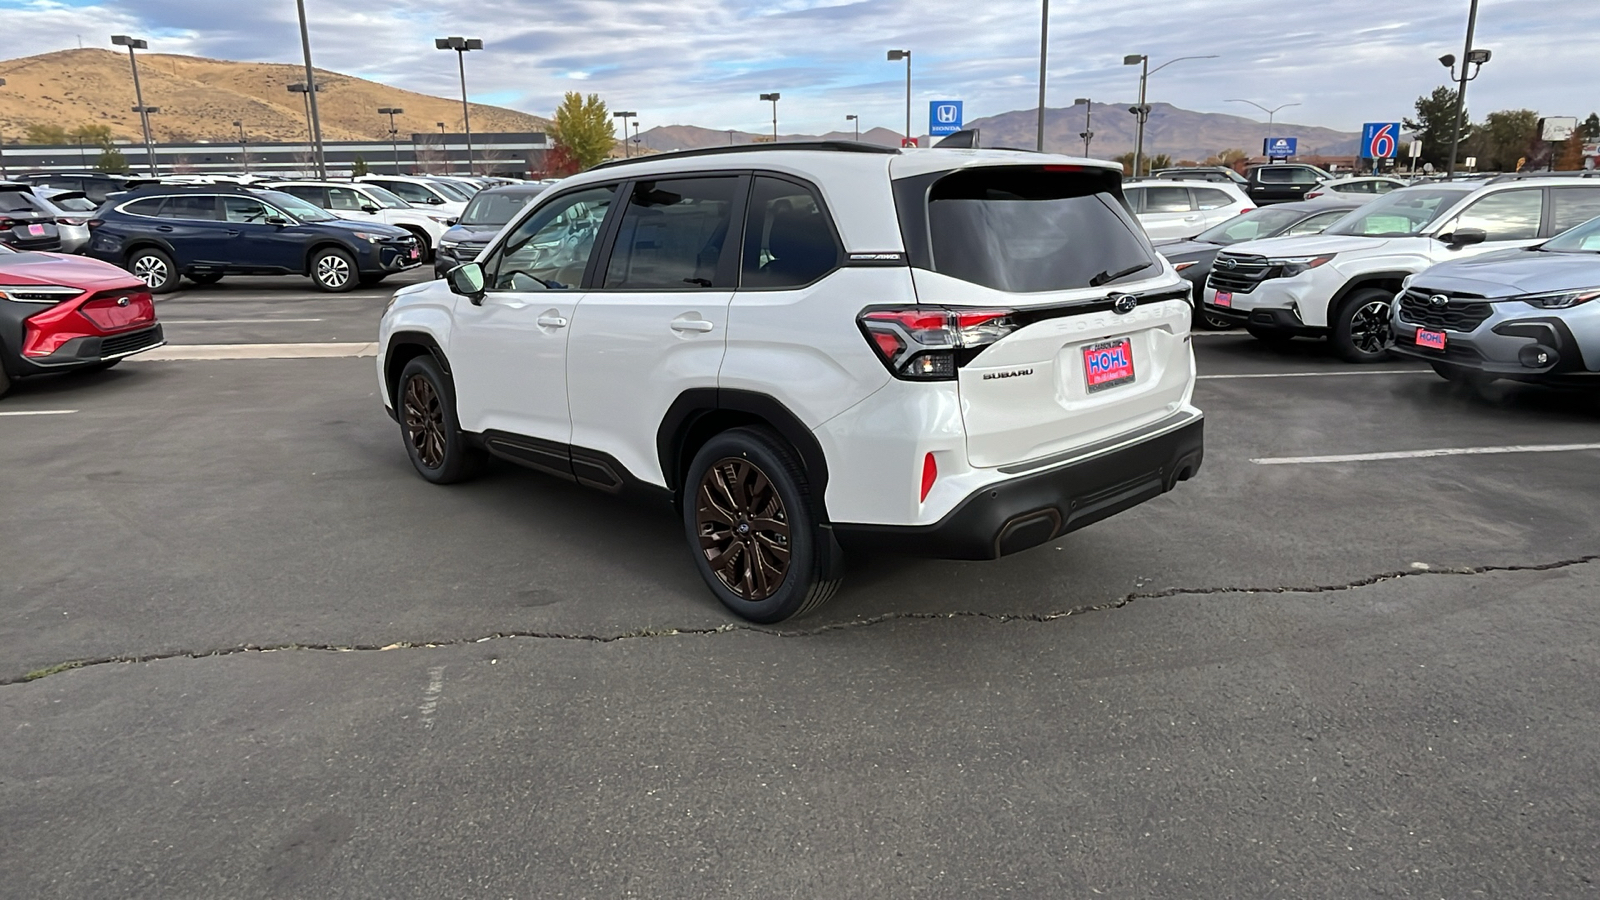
276 220
435 200
369 208
452 221
1463 237
467 280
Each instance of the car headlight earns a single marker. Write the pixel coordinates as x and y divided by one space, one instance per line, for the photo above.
1560 299
1296 265
371 238
38 293
449 245
1179 267
443 220
1406 281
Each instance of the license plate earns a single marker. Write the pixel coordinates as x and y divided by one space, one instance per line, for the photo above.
36 230
1223 299
1426 338
414 253
1108 364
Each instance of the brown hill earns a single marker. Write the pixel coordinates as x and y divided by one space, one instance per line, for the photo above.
200 98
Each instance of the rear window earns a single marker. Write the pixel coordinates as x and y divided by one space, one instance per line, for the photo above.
15 202
1030 229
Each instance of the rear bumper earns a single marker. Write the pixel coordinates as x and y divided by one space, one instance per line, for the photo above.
1036 507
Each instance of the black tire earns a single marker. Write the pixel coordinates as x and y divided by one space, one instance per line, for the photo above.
155 268
425 403
751 481
1462 375
206 278
1361 326
334 270
1268 335
1205 320
5 381
373 279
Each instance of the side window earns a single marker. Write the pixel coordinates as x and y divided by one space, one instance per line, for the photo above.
552 247
314 195
410 193
1135 198
149 206
1384 187
247 209
672 234
1210 198
1573 206
1316 223
1273 175
1300 175
190 206
788 241
343 198
1506 216
1166 199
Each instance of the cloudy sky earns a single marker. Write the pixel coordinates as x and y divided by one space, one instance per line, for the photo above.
704 62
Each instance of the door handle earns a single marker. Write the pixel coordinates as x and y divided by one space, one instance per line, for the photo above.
163 227
551 320
233 232
697 326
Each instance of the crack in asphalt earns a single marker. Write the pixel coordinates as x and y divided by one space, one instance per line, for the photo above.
732 627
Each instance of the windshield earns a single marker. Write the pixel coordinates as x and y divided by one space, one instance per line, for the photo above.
1399 213
1583 239
1027 228
73 203
450 191
296 207
385 199
1260 223
495 208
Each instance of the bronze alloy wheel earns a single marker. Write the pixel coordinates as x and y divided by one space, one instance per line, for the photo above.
424 418
743 528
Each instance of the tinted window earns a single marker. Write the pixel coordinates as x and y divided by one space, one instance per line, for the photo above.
491 208
1135 198
15 201
343 198
300 209
247 209
1400 213
1258 223
1166 199
1301 175
1572 206
192 206
1210 198
1274 176
385 199
411 193
146 207
452 191
672 234
73 203
552 247
1384 187
1021 229
305 192
1354 187
787 239
1506 216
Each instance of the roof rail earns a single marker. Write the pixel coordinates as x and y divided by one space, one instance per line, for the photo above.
832 146
219 188
1523 176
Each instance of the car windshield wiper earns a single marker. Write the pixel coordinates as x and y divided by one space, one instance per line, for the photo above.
1107 277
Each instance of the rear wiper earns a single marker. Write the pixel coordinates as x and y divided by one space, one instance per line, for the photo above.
1107 277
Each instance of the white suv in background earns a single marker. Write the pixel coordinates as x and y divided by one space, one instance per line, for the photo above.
1340 284
1170 210
363 202
425 193
958 353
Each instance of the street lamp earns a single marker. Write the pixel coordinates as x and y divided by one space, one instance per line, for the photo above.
2 146
774 98
461 45
856 120
1470 58
895 56
636 138
311 96
122 40
394 133
299 87
1270 112
1088 113
244 146
1143 109
624 116
1044 49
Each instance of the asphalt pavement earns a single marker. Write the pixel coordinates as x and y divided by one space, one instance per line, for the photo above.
267 660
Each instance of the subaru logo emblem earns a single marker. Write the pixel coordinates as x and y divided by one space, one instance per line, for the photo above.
122 301
1227 263
1438 301
1124 303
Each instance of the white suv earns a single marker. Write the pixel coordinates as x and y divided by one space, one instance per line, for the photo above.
1340 284
958 353
363 202
1170 209
434 194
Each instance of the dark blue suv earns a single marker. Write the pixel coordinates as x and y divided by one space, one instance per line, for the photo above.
163 232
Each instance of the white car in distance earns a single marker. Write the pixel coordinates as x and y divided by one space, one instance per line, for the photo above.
362 202
1356 187
1169 210
425 193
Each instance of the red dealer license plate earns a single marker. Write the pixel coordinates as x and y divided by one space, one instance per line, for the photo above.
413 253
1223 298
1108 364
36 230
1426 338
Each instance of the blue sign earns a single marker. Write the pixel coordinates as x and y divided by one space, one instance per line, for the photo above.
1279 148
944 117
1380 140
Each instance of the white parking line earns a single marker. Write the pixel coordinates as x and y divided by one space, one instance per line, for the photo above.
232 321
1422 454
327 350
1320 374
38 412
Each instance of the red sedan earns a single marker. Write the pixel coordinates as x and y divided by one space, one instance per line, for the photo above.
67 313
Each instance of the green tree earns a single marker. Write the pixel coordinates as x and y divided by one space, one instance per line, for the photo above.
46 134
1432 125
1590 129
98 135
583 127
1503 137
358 166
111 160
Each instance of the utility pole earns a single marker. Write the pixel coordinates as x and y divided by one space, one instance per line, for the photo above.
3 137
461 45
244 146
1143 109
122 40
852 119
774 97
1088 114
311 94
1469 57
1044 50
394 133
624 116
894 56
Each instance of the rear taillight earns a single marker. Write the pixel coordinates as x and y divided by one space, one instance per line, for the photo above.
1313 195
67 221
95 223
1247 209
929 343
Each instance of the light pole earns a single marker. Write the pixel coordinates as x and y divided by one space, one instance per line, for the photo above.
394 133
624 116
895 56
305 93
1044 52
244 146
1088 113
636 137
1143 109
461 45
311 94
773 97
1270 112
852 119
2 146
1469 59
122 40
